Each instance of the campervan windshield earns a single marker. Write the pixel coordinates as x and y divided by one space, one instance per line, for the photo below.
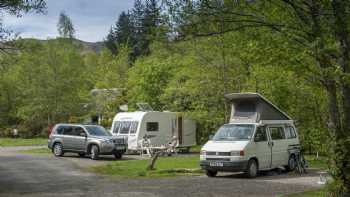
234 132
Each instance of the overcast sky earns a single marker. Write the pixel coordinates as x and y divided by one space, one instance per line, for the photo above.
92 19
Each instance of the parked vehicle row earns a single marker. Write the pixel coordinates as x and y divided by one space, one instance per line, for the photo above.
259 136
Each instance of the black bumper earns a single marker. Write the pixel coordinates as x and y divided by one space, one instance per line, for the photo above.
228 166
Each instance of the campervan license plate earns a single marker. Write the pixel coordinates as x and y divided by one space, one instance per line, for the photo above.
216 164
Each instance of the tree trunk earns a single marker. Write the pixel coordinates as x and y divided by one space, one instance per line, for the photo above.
153 160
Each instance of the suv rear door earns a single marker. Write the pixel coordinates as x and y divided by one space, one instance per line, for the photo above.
67 139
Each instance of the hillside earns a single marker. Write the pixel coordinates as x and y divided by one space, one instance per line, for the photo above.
85 46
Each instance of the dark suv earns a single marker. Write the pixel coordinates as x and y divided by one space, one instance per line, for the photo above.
90 140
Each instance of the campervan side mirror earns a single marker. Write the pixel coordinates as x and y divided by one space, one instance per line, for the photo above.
211 137
258 137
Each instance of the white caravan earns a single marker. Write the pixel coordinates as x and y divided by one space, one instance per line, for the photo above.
159 127
259 136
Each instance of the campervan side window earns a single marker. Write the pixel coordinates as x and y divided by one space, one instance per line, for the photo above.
290 132
152 126
277 133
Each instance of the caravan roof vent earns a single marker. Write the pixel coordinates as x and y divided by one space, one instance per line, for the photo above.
144 107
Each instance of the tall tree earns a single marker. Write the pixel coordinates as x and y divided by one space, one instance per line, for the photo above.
121 34
65 26
137 28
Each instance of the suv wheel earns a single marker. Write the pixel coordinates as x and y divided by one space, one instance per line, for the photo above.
252 169
211 173
81 154
94 153
118 155
58 150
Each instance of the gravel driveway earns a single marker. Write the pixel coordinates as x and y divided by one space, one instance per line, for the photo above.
45 175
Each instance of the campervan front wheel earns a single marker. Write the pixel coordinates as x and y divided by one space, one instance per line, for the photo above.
252 169
211 173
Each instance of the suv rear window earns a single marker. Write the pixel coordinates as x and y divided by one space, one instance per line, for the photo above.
67 130
59 130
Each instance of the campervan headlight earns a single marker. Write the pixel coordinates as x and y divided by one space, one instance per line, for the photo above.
203 152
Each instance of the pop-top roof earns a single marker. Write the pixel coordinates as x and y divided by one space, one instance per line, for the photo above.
252 107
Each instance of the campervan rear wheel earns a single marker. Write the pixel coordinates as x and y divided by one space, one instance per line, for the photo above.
252 169
291 163
211 173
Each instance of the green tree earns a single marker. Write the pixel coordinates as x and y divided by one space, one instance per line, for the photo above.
52 85
65 26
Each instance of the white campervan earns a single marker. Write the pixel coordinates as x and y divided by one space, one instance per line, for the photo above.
159 127
259 137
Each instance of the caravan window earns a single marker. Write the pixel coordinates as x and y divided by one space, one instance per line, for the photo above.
125 127
133 127
152 126
116 127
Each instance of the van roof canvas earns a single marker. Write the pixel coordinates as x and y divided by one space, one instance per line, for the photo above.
254 108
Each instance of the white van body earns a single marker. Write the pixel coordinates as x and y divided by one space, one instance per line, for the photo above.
258 133
160 127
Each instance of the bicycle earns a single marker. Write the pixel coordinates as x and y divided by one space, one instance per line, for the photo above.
301 163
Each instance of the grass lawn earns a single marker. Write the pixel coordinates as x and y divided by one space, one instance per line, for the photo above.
196 149
22 142
320 163
37 151
318 193
165 167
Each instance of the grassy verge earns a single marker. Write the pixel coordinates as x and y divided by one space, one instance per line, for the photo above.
36 151
318 193
22 142
165 167
320 163
196 149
